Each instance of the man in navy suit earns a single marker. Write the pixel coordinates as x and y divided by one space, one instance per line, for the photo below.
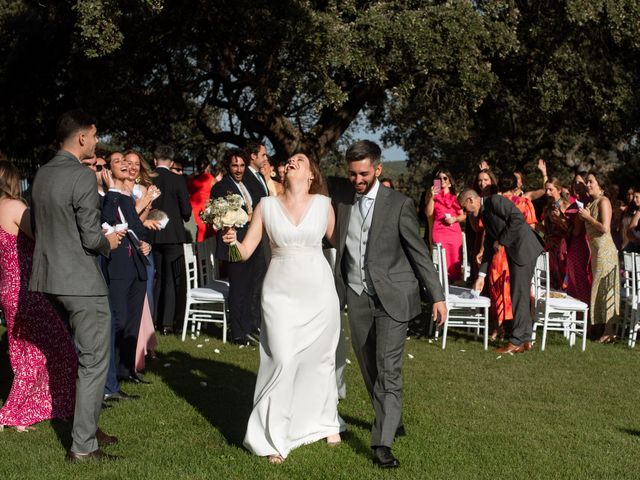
245 278
169 294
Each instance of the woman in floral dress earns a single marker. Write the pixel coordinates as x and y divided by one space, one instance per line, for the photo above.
41 350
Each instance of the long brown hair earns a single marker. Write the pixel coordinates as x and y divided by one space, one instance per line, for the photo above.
146 174
9 180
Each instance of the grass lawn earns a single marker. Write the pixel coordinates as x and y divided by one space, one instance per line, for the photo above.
468 414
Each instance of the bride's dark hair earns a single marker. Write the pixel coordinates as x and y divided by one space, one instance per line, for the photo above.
318 184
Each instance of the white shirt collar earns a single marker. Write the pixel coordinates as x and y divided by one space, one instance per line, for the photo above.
163 166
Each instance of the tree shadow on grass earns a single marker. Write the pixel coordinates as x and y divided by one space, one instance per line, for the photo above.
228 400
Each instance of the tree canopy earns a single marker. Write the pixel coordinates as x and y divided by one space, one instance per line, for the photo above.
450 81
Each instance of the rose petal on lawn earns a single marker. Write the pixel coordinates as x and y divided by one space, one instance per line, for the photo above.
203 384
410 356
217 351
166 365
199 345
348 362
498 357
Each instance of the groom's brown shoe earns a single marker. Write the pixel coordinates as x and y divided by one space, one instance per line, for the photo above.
510 348
104 439
527 346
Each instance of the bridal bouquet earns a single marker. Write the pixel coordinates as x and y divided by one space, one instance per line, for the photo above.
224 212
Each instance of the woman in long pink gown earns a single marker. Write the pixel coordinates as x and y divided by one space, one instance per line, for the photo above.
447 215
41 351
578 278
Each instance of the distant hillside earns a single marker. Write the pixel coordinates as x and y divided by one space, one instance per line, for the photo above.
394 168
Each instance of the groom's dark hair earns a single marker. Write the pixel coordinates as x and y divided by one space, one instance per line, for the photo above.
364 149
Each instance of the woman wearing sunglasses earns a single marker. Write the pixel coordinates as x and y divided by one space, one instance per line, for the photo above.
443 205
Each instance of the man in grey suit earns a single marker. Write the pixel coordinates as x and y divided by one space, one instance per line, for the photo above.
66 222
504 225
381 263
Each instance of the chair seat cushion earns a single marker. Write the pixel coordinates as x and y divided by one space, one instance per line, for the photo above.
566 303
454 300
215 291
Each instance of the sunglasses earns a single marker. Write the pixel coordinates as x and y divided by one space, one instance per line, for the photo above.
442 177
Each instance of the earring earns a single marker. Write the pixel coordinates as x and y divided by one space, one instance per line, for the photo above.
273 174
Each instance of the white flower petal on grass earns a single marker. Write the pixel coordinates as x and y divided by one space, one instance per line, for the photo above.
463 350
408 338
199 345
241 346
409 355
217 351
167 365
347 361
430 341
206 339
203 384
193 337
498 357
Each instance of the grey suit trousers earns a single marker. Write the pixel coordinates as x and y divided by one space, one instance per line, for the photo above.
90 320
378 342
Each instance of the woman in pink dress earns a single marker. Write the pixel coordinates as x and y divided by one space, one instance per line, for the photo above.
442 204
42 354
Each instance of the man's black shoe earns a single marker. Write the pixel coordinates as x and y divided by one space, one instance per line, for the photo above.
105 439
400 432
119 395
383 458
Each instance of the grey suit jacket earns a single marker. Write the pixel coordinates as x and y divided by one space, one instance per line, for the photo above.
398 260
66 220
506 224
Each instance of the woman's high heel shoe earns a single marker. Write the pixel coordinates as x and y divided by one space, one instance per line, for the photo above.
606 339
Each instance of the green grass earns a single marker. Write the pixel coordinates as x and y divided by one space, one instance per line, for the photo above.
561 413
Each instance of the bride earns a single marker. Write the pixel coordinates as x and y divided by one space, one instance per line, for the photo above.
296 398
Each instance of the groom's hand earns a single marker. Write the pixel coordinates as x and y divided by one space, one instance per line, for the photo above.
439 313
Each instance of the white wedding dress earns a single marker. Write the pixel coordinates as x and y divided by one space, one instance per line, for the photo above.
296 397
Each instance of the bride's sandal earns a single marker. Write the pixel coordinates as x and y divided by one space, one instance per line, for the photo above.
334 440
276 459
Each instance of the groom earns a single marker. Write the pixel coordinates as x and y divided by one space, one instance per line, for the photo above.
381 264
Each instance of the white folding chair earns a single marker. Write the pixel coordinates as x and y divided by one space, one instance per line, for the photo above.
466 266
462 311
200 300
555 310
628 297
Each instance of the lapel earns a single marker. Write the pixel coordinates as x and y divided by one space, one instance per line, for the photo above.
380 209
344 215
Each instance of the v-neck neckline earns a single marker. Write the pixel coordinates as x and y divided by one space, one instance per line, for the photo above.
286 215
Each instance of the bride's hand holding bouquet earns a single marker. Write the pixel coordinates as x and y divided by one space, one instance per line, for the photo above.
226 214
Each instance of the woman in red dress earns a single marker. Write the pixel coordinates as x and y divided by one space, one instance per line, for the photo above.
556 226
199 187
42 354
